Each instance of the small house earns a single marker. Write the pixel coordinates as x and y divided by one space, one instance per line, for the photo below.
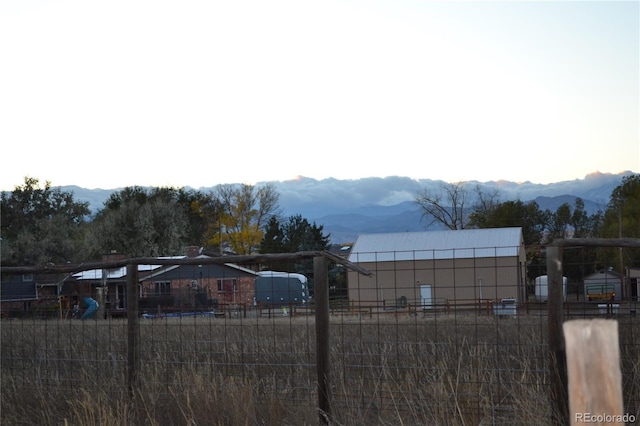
603 285
165 286
197 286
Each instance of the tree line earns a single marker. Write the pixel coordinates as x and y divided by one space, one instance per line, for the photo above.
42 224
459 206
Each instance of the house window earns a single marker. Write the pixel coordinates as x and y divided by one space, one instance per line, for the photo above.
27 277
226 285
162 288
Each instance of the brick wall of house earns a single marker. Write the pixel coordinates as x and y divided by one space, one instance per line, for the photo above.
185 295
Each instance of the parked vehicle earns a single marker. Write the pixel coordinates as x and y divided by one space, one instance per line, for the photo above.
281 288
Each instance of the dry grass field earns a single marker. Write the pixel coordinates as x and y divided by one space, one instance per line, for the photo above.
385 370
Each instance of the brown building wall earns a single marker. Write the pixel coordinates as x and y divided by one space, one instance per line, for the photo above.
452 279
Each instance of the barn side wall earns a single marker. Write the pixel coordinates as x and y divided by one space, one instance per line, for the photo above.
450 279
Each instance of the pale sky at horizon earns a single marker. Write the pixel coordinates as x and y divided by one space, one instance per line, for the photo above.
197 93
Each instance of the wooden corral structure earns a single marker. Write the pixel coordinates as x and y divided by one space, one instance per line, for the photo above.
594 376
321 303
557 341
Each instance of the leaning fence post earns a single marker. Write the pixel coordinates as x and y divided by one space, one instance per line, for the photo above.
133 330
321 295
595 380
558 365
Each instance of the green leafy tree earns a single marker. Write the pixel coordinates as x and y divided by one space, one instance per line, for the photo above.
141 222
484 205
202 212
41 224
567 223
622 220
584 225
528 216
559 223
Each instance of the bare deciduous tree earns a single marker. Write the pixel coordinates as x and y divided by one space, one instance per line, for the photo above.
445 205
485 203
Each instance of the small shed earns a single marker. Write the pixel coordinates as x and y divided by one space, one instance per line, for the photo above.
429 267
603 282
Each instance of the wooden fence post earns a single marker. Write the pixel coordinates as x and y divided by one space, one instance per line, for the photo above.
558 363
321 296
133 330
595 380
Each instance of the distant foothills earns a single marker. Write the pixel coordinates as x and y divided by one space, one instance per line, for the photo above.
346 208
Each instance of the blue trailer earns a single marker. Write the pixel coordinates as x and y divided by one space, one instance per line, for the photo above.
281 288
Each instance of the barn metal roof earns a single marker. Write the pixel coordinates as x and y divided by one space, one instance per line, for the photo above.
467 243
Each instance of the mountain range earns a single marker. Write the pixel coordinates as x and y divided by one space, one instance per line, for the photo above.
346 208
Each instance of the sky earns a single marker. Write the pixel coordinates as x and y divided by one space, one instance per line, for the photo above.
197 93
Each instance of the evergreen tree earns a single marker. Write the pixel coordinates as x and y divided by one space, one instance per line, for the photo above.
273 239
296 234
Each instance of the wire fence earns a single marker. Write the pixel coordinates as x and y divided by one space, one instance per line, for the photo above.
180 342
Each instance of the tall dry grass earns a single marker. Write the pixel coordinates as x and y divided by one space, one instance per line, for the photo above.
456 370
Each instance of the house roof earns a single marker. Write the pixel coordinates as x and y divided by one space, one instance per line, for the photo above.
117 273
467 243
168 269
602 274
147 270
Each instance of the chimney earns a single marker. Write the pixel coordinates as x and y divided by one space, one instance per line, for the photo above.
113 256
192 251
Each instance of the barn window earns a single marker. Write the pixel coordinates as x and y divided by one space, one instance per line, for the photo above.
226 285
162 287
